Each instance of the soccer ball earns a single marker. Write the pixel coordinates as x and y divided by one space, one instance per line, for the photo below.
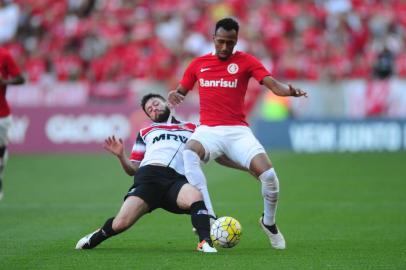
225 232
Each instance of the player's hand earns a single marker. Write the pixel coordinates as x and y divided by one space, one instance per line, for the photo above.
297 92
114 146
175 98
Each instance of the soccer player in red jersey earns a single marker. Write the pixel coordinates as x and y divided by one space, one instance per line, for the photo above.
222 79
9 74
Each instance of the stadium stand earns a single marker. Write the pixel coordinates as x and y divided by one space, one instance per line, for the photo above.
119 40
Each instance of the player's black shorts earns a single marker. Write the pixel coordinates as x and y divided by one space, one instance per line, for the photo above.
159 187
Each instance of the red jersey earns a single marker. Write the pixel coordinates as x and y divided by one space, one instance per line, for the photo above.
222 86
8 69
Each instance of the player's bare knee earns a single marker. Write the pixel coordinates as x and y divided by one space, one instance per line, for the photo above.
195 147
188 195
195 195
260 164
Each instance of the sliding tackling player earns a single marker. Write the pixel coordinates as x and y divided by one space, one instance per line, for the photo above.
157 166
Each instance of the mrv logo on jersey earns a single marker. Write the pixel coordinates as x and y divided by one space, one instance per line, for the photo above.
175 137
218 83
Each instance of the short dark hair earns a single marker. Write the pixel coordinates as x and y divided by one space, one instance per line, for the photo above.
148 97
227 24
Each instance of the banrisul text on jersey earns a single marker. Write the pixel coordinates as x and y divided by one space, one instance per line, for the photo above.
218 83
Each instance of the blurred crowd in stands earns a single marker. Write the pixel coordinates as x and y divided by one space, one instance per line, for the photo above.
122 40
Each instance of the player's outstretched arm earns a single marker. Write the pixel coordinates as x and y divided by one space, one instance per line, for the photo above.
116 147
281 89
176 97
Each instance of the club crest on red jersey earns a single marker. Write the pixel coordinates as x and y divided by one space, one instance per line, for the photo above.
232 68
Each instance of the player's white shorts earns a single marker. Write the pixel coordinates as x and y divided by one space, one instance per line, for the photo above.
238 143
5 123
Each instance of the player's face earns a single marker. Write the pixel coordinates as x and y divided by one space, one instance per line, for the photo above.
157 110
224 42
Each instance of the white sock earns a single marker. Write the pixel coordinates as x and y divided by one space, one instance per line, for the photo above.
195 176
270 192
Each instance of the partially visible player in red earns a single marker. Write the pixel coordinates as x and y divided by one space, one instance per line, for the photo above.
9 74
222 78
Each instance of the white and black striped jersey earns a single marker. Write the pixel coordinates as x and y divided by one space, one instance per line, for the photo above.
162 143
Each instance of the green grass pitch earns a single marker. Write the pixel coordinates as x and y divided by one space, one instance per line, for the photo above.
337 211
